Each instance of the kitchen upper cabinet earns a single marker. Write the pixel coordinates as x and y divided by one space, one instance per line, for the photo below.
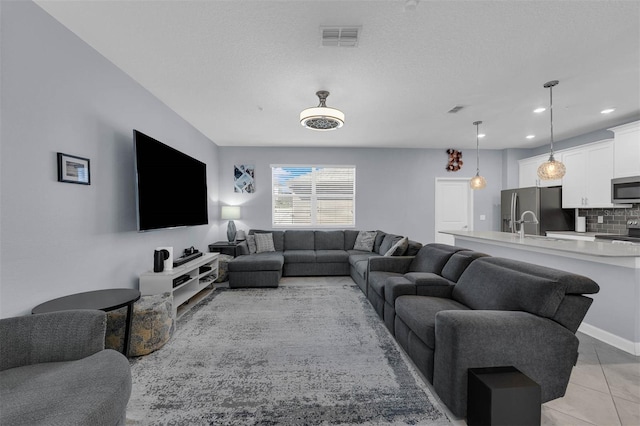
626 151
528 171
587 182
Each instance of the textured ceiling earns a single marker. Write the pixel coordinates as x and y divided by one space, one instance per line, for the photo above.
241 71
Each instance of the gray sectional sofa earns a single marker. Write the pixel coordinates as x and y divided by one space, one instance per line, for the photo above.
453 309
448 307
54 370
309 253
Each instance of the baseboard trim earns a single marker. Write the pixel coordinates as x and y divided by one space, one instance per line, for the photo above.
611 339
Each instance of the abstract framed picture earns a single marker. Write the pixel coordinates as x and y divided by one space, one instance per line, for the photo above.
244 178
72 169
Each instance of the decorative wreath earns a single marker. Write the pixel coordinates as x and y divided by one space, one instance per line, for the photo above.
455 160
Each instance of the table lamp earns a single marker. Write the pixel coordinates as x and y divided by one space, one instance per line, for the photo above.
230 213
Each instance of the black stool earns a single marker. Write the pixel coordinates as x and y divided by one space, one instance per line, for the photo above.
502 396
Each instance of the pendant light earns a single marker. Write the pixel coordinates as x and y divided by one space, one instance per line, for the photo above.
322 117
477 182
551 169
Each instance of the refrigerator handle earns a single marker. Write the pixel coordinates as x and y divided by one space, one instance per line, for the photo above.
513 212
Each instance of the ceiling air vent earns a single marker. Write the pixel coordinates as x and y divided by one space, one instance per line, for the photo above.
455 109
339 36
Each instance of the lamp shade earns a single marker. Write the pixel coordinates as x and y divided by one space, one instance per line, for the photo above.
230 212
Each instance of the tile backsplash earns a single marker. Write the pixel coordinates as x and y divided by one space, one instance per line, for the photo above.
614 220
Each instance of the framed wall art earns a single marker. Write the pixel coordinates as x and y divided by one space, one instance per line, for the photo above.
244 178
72 169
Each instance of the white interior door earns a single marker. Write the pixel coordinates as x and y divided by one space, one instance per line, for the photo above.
453 207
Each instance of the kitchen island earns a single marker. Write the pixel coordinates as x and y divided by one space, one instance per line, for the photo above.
614 316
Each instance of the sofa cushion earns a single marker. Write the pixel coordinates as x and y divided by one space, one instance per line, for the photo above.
432 258
270 261
350 236
388 241
299 240
365 241
413 248
398 248
264 243
278 237
329 240
251 244
458 262
299 256
379 239
488 286
576 284
331 256
419 314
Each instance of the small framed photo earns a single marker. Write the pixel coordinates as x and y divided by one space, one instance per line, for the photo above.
72 169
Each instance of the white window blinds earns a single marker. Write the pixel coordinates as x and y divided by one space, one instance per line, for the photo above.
313 196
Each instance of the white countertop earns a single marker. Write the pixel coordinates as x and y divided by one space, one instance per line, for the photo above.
579 234
588 248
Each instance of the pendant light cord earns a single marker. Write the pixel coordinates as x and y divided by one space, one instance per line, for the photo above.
477 124
551 115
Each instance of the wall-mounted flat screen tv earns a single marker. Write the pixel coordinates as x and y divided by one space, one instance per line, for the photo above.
171 186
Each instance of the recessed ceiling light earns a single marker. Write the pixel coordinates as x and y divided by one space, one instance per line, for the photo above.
539 110
607 111
531 136
481 135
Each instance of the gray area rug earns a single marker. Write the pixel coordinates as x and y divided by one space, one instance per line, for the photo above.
310 352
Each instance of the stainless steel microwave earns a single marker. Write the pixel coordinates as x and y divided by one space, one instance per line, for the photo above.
625 190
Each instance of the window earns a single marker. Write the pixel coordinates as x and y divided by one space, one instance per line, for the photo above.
313 196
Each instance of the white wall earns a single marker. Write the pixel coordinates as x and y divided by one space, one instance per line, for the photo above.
59 95
395 188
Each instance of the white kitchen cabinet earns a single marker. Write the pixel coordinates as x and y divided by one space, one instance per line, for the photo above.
626 151
587 182
528 171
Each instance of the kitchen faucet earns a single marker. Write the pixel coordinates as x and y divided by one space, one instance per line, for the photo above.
522 221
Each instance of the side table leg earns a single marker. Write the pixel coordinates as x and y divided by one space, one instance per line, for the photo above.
127 329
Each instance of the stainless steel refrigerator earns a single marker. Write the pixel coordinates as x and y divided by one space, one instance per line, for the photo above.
546 203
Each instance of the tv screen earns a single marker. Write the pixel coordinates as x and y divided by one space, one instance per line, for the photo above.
171 186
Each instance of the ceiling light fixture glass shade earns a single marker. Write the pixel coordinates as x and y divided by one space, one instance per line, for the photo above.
322 117
551 169
477 182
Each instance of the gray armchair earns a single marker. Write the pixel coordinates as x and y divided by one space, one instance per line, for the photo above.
54 370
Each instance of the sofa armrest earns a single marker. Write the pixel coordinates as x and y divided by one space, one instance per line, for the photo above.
397 264
242 248
51 337
539 347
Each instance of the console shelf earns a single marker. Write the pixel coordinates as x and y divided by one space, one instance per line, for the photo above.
162 282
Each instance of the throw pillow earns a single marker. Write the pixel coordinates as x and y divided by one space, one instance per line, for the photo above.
398 248
264 243
365 240
251 242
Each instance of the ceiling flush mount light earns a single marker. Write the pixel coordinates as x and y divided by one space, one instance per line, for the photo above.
477 182
551 169
322 117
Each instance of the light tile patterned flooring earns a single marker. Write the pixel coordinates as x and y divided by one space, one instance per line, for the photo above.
604 389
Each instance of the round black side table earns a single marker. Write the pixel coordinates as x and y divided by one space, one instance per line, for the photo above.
103 300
